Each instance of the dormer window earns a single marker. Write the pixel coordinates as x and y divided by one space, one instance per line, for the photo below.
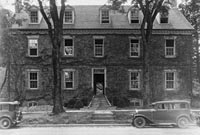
69 17
134 16
164 17
105 16
34 17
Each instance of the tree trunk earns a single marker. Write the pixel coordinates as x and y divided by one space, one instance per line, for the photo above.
197 56
57 91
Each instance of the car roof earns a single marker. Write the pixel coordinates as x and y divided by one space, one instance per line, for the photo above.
11 103
171 101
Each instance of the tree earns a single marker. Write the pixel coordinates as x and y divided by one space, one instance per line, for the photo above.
55 31
150 9
191 10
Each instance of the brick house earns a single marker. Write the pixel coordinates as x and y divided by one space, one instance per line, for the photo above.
102 49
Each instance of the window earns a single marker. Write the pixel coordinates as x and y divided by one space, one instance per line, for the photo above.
69 17
134 80
169 48
98 47
33 79
169 80
134 48
134 18
34 17
33 47
105 17
69 79
164 17
135 102
68 47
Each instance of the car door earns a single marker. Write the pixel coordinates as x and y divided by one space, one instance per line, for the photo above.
161 113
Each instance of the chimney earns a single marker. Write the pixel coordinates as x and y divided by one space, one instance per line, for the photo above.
18 5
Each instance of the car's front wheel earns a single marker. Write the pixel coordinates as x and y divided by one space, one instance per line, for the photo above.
139 122
182 122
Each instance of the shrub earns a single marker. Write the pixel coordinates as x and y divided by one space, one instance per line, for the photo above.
78 104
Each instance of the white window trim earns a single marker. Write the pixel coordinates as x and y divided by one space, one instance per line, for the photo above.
139 87
174 55
68 37
72 17
33 70
33 38
37 16
73 81
108 16
95 46
175 74
133 38
105 74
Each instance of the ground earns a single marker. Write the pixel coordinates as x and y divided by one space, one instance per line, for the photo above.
128 130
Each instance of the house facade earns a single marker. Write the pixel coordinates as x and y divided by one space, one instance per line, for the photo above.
102 49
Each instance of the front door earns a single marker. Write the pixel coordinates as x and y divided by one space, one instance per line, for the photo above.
99 81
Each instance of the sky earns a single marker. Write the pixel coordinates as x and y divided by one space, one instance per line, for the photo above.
8 4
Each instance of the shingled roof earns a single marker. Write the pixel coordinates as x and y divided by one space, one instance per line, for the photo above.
88 17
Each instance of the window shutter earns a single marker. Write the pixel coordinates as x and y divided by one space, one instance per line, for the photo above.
26 80
62 80
76 79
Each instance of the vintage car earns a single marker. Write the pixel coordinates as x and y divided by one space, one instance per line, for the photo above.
9 114
175 112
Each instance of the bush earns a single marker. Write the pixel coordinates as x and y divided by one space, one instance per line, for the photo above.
78 104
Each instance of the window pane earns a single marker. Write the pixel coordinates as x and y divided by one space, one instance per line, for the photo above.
169 43
134 47
34 16
135 83
33 84
68 17
68 85
135 16
33 78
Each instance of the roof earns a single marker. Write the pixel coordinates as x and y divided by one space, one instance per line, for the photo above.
88 17
171 101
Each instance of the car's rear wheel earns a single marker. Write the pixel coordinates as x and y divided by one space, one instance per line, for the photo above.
139 122
182 122
5 123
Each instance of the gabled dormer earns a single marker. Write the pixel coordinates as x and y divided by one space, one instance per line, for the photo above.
34 15
134 15
104 12
69 15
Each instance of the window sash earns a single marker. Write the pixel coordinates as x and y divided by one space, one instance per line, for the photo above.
68 47
135 16
170 47
34 16
68 17
105 16
170 80
33 80
69 79
134 48
134 80
33 47
99 48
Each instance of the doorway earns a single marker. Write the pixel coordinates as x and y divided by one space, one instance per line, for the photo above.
99 81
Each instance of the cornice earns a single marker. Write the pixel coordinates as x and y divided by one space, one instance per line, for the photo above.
103 31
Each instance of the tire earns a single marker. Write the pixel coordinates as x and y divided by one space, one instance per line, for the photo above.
182 122
5 123
139 122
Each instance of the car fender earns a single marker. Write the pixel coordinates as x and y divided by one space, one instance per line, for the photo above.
6 116
140 115
183 115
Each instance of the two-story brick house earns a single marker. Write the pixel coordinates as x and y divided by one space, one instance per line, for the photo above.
102 48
